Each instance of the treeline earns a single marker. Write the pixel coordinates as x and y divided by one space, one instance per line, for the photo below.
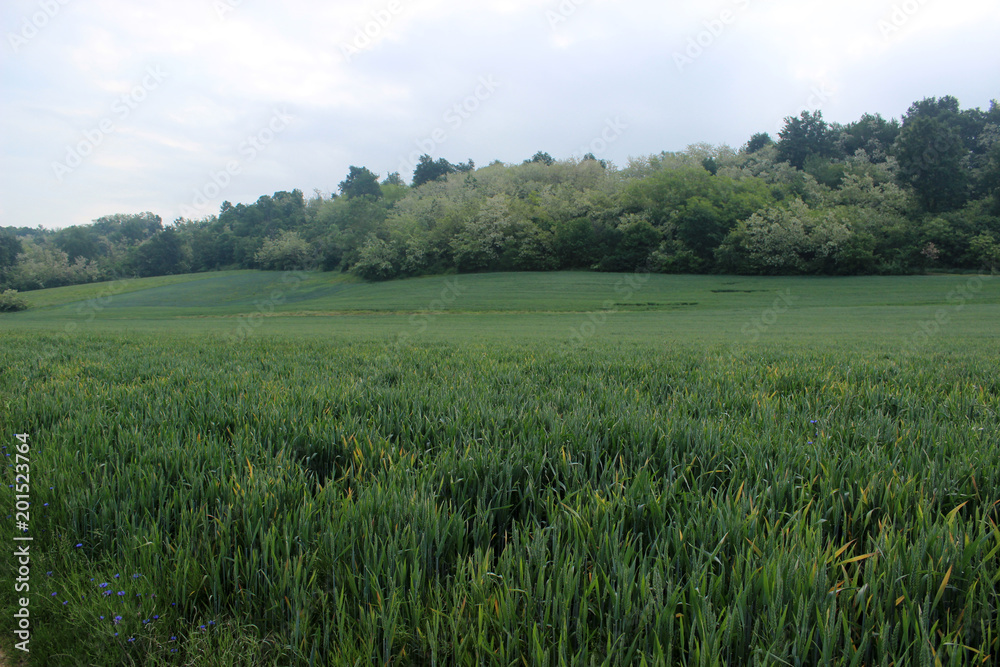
874 196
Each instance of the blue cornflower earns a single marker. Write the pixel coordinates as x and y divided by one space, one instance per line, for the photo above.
104 585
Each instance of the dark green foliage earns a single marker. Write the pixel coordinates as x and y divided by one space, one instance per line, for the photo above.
803 137
758 141
428 170
931 155
161 255
541 157
10 248
873 134
360 182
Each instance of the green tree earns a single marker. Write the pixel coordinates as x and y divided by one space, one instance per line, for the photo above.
541 157
160 256
428 170
931 158
10 248
873 134
804 136
360 182
287 252
757 142
376 260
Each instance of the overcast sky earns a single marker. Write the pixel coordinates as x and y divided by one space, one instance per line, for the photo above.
114 106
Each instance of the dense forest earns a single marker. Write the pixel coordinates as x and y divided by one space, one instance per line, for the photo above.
873 196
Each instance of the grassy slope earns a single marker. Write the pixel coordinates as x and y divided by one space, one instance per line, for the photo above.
527 305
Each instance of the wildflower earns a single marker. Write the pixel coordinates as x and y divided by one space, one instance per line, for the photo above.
120 593
79 545
104 585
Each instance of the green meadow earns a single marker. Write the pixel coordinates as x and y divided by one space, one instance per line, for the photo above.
250 468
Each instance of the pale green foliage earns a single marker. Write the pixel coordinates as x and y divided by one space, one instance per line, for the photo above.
286 252
483 238
41 265
787 239
985 251
376 260
11 301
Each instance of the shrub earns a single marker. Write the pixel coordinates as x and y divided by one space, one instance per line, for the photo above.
11 301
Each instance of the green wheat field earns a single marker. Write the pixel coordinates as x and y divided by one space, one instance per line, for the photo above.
249 468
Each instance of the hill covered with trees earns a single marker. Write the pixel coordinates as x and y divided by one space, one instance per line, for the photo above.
875 196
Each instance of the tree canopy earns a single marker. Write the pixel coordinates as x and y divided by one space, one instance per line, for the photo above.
874 196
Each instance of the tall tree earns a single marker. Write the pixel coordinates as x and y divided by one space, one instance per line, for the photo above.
541 157
932 160
428 170
360 182
758 141
803 137
10 248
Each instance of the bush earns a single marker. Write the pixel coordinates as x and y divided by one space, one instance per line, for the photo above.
11 301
